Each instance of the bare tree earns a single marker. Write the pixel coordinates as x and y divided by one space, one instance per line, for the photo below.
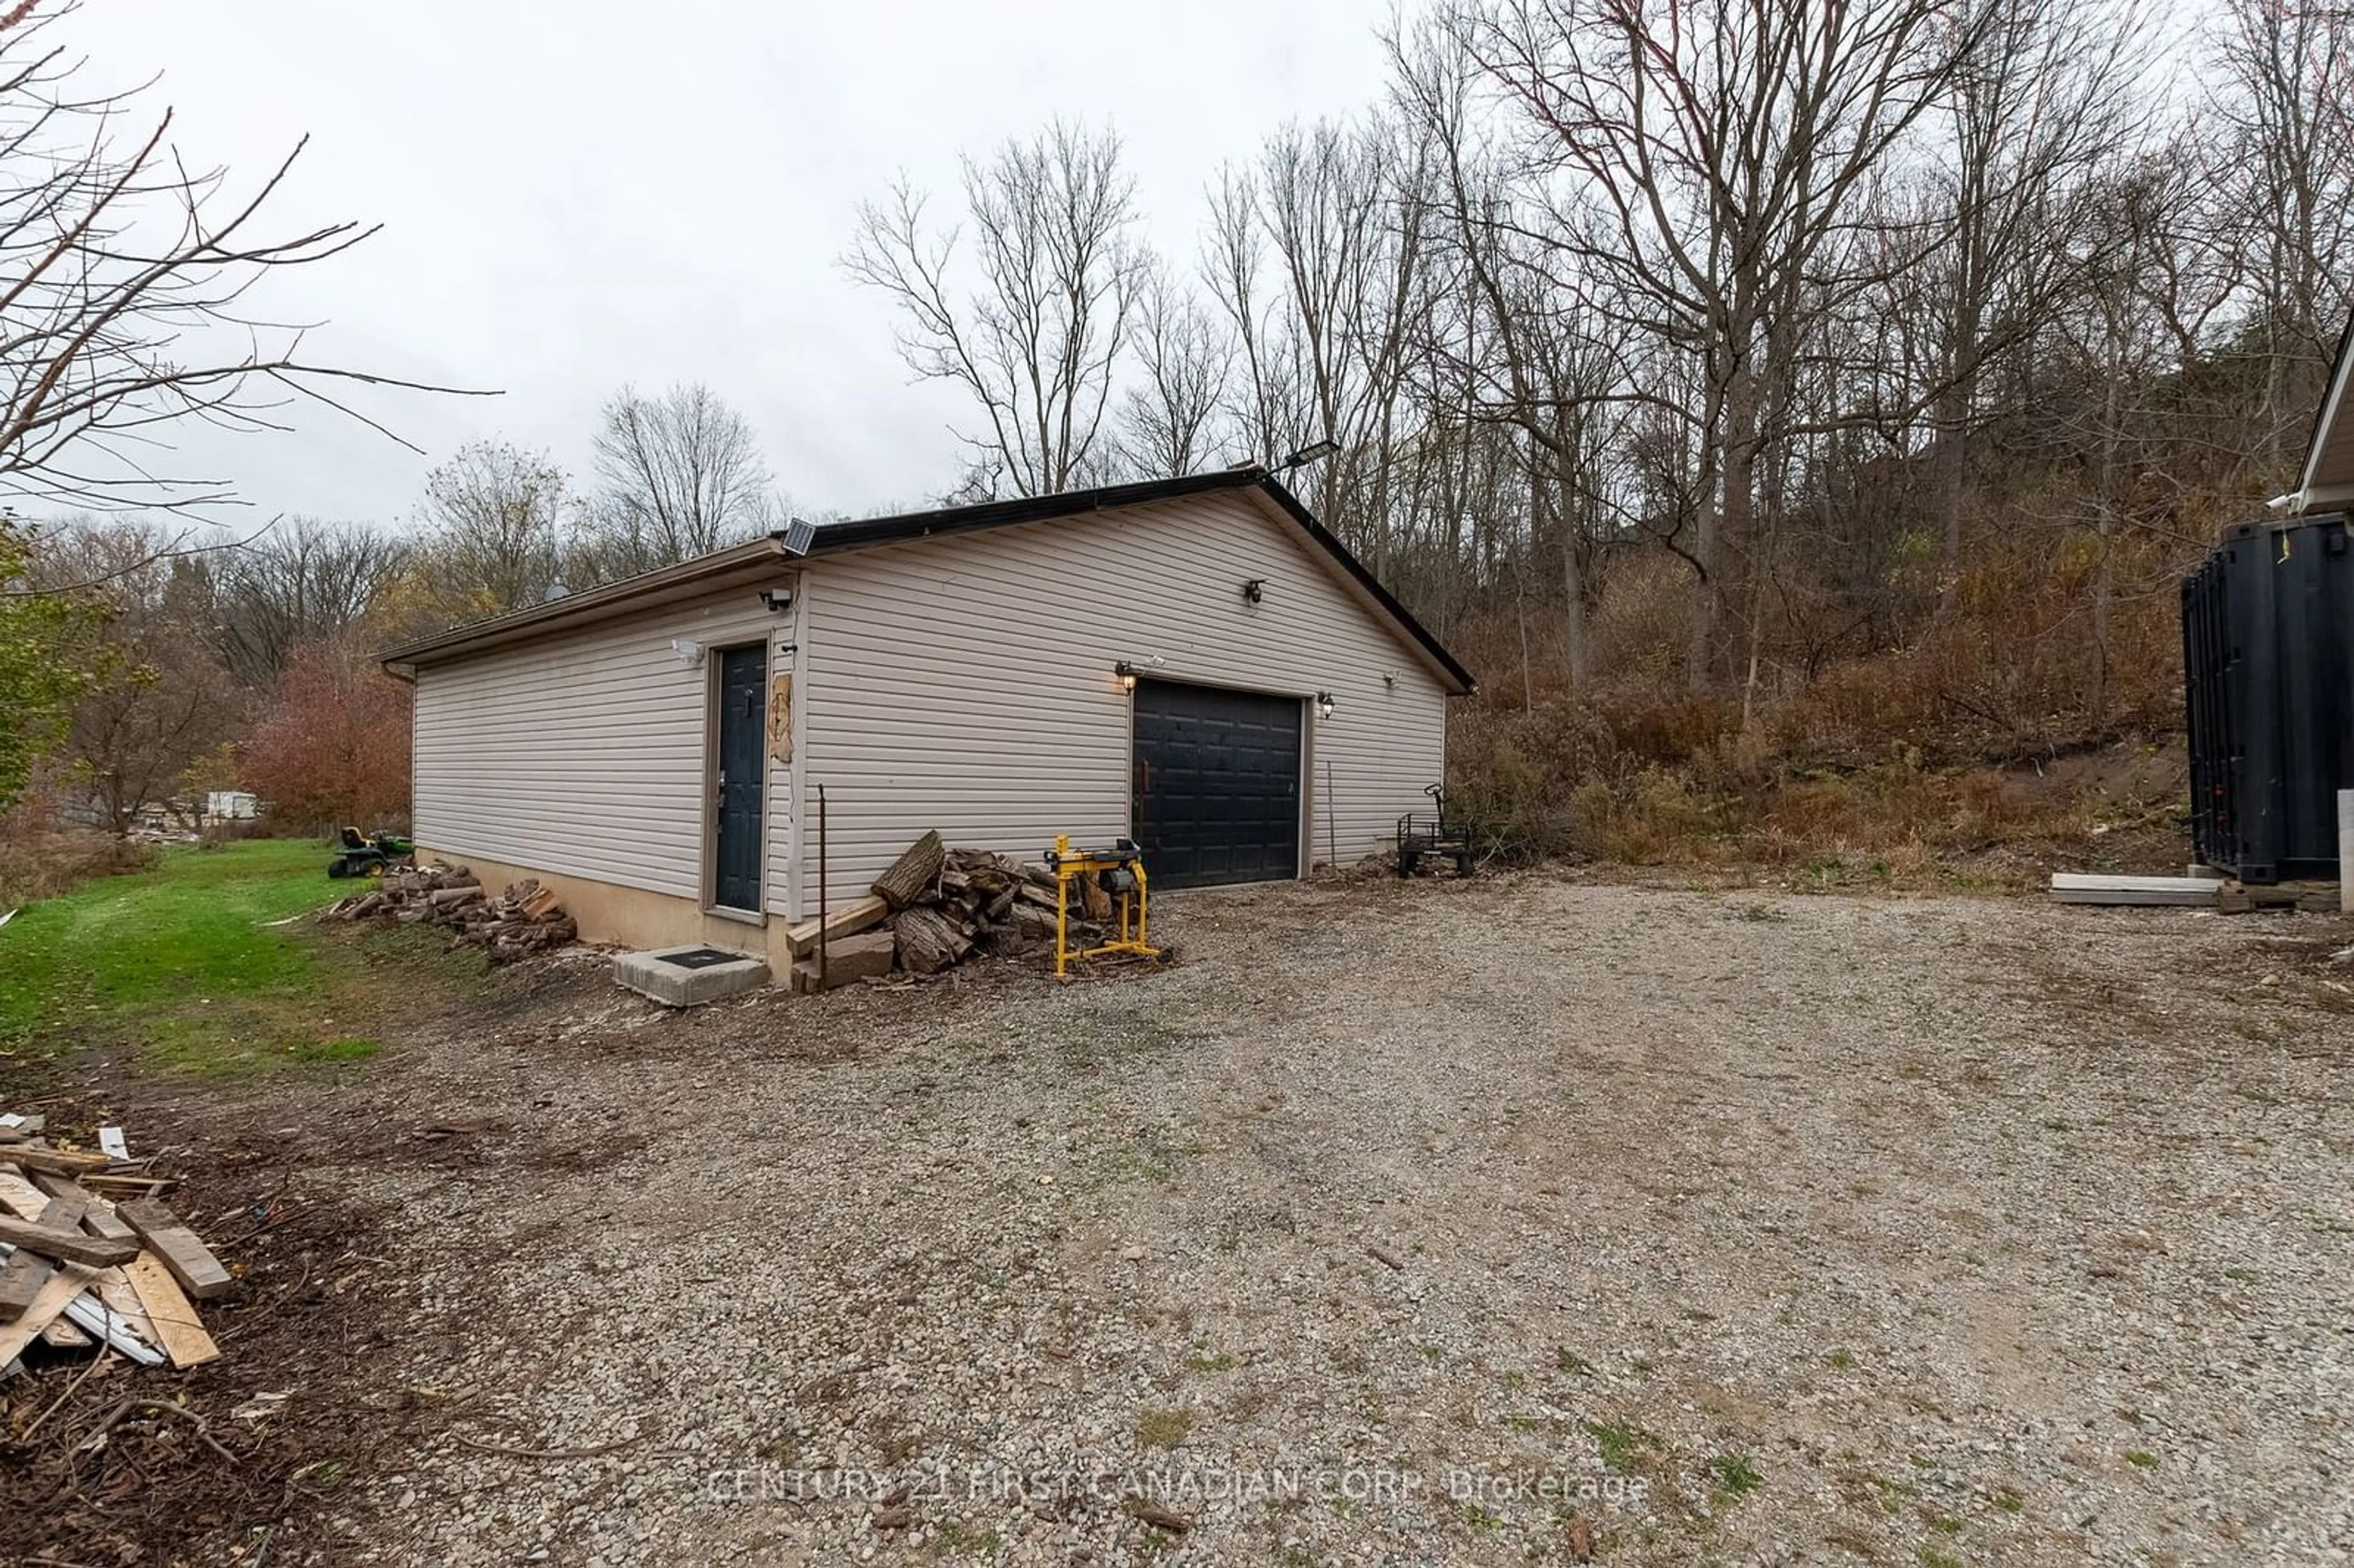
123 282
1315 257
2039 95
156 700
680 475
1036 340
305 581
496 530
1168 422
1699 171
2287 163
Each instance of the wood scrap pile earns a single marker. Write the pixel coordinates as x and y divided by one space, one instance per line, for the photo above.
935 908
524 918
91 1260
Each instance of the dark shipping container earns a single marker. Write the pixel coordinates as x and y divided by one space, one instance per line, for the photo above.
2267 670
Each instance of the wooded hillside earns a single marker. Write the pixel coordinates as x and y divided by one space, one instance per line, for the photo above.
1754 392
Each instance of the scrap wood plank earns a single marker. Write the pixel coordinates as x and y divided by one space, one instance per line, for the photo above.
847 921
55 1297
21 1196
61 1161
21 1278
68 1247
112 1309
2075 888
170 1312
62 1333
199 1273
97 1212
115 1180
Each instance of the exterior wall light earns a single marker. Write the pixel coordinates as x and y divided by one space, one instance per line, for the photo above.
1127 674
1254 590
778 599
1323 704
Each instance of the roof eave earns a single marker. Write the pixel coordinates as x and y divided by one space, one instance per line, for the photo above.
2317 487
1450 668
629 596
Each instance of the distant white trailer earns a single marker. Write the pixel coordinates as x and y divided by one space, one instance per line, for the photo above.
232 805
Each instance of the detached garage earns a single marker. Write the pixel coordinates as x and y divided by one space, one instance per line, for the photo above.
1193 663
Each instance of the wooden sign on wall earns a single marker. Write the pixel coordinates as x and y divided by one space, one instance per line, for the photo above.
780 718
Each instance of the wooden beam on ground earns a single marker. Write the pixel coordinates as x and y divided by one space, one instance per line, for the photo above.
847 921
172 1316
199 1273
58 1161
68 1247
2190 891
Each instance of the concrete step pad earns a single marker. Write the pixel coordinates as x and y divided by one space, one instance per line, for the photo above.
689 976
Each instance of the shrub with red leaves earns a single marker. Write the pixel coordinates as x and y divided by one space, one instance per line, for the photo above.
332 748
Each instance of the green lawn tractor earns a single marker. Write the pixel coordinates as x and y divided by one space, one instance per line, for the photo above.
366 856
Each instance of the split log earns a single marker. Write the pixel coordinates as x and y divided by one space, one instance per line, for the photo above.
928 942
1093 900
912 874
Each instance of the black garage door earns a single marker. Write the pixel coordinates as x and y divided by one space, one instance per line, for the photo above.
1217 785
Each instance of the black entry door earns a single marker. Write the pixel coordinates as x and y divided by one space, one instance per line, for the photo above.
1217 785
743 731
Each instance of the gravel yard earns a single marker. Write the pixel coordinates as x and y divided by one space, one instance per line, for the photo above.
1492 1223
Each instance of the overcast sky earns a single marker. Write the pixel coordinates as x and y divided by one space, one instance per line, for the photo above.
578 195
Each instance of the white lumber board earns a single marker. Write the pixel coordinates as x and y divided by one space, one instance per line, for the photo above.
95 1311
2069 887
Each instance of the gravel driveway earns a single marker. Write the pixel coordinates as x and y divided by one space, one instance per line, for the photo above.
1504 1222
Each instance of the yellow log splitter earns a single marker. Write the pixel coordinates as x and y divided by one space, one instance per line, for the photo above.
1121 873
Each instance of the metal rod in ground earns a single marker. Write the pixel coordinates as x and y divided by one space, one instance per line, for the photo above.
2345 851
1331 824
821 887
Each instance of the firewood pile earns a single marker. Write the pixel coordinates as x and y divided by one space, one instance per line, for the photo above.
91 1260
524 918
936 908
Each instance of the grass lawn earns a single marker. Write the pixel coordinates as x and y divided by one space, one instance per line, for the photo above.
182 965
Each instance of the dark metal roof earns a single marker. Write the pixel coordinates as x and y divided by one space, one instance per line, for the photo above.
804 539
835 537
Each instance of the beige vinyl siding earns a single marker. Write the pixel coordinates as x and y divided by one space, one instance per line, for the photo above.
965 683
586 753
